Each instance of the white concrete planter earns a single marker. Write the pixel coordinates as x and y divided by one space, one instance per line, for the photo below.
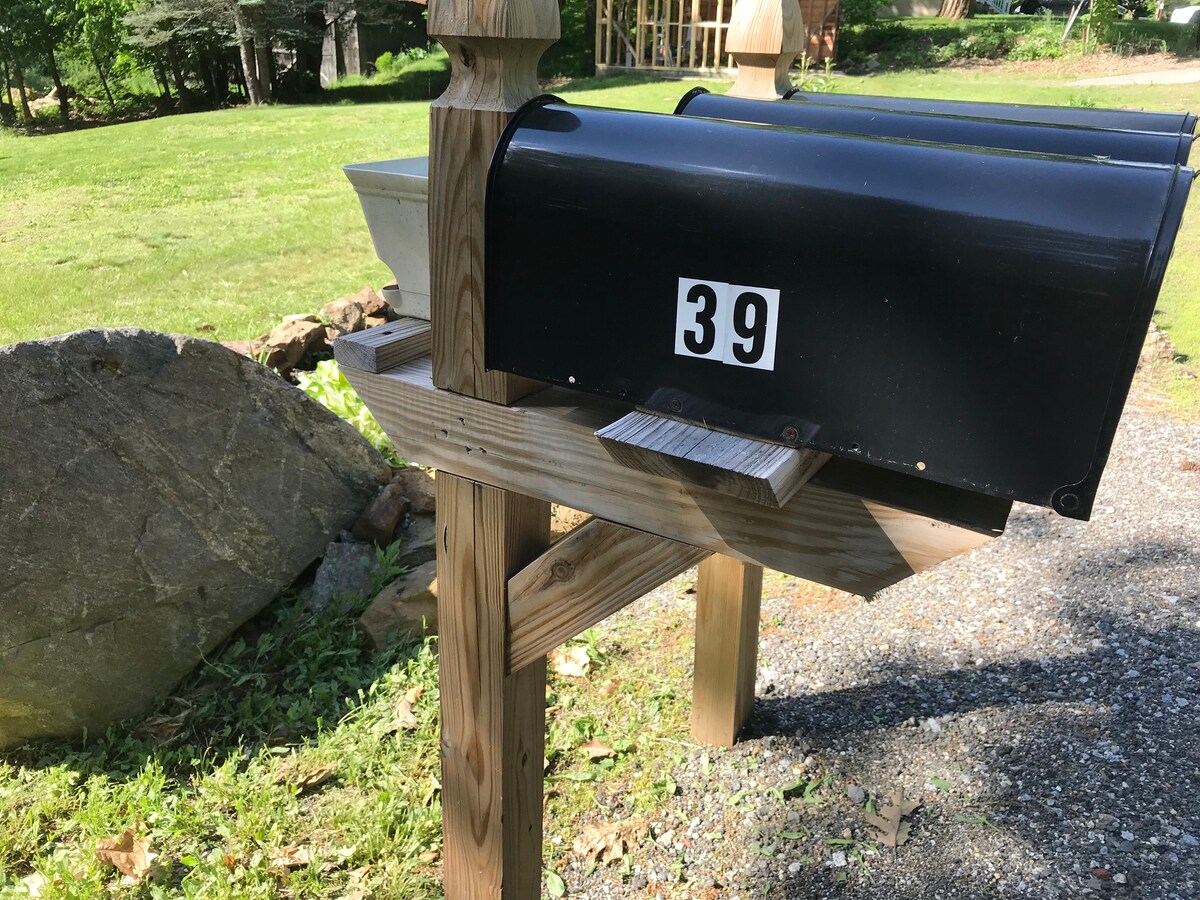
395 199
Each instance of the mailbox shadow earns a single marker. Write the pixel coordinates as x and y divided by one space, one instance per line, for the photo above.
1116 707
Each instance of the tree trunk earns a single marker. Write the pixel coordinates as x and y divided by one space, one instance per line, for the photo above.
262 50
112 104
181 87
249 63
218 77
957 9
8 90
205 68
64 104
19 77
160 75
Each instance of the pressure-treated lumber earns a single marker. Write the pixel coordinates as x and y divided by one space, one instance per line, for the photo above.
594 571
545 446
765 36
768 474
494 48
384 346
728 594
493 722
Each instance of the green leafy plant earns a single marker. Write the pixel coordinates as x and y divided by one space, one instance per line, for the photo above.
391 64
1101 19
329 387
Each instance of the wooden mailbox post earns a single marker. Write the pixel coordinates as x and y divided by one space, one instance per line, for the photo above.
664 495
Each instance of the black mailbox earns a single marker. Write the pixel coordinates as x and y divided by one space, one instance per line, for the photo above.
1072 140
1087 117
969 316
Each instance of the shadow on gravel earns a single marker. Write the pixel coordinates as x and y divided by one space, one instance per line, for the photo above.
1080 751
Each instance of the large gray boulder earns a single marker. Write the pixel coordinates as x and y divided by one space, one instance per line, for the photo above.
156 491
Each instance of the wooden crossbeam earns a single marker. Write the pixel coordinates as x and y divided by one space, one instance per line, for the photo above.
545 446
594 571
384 346
768 474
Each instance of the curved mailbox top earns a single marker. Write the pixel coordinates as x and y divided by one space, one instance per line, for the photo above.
968 316
1071 140
1087 117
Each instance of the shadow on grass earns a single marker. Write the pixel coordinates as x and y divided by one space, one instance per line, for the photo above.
281 679
422 80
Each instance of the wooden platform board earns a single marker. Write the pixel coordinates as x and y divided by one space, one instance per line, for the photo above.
545 446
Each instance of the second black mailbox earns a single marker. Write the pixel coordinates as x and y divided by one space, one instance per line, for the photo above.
974 131
967 316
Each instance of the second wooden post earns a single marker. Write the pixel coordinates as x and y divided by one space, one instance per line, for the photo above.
765 37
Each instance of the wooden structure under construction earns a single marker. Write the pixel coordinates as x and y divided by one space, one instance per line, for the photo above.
690 36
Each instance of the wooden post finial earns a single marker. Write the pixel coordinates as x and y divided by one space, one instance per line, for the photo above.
494 48
765 36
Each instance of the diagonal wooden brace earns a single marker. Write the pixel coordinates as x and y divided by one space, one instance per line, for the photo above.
594 571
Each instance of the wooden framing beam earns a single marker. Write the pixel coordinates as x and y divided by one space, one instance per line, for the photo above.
591 573
493 721
728 598
545 446
764 473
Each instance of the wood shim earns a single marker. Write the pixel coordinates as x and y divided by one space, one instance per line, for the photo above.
384 346
763 473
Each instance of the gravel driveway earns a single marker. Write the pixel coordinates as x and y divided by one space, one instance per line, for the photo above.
1040 696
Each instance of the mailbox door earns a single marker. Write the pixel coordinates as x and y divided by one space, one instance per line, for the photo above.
966 316
1070 140
1087 117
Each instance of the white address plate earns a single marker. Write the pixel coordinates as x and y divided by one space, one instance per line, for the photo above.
733 324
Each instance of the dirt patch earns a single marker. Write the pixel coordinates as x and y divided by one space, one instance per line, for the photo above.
1098 64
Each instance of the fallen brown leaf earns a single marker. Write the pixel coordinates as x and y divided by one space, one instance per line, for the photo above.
609 842
571 663
597 749
890 827
161 728
431 792
290 858
404 719
128 854
303 776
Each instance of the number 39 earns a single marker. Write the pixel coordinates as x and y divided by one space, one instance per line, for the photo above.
730 323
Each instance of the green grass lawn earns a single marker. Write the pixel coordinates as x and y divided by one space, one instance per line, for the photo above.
234 218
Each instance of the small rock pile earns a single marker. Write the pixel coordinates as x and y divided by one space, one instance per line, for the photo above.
299 342
402 510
